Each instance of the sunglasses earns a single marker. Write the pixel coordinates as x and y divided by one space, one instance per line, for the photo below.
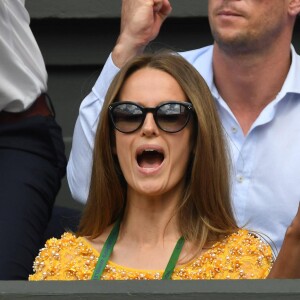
171 116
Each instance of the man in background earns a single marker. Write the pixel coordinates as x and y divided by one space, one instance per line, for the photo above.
32 159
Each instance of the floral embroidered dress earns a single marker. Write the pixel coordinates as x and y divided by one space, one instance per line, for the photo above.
239 256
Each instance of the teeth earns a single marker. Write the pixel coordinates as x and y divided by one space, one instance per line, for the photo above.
151 150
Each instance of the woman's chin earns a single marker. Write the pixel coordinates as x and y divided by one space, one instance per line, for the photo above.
151 189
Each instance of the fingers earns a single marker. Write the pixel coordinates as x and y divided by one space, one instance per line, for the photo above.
157 5
141 21
162 7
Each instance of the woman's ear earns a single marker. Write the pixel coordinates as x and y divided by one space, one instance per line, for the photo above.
294 7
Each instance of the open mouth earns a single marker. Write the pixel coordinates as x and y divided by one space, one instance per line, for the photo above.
150 158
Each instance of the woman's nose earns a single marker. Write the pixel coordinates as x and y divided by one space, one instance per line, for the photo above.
149 126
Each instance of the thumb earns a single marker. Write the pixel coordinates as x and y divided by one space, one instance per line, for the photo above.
163 8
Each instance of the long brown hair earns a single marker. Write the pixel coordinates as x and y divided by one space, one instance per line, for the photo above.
205 211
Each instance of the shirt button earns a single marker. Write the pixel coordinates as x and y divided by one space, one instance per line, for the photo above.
234 129
240 178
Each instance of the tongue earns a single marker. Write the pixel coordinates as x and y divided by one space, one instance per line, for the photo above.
150 159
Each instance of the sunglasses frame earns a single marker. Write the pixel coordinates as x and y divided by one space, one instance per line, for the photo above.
153 110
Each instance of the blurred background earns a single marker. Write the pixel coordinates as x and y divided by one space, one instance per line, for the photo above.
76 37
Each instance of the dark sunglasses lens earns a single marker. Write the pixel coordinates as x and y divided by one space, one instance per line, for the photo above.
172 117
127 117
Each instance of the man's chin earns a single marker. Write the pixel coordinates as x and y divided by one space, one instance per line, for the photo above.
233 44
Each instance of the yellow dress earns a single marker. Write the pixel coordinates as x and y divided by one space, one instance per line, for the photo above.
238 256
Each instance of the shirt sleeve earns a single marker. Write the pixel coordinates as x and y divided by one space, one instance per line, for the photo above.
67 258
240 255
53 260
250 257
80 160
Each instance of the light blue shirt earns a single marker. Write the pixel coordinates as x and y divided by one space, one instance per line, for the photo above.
265 162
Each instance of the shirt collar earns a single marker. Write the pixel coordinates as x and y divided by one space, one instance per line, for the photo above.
291 83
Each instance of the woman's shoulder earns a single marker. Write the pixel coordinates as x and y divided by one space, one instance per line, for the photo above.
67 258
246 239
249 254
67 239
240 255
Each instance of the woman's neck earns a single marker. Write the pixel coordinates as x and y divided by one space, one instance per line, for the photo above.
148 233
149 220
146 240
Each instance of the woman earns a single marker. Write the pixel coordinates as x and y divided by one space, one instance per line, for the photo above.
159 204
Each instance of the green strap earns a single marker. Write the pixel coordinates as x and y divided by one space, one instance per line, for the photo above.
106 251
108 248
173 259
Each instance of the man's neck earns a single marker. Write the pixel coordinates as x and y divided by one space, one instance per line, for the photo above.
249 82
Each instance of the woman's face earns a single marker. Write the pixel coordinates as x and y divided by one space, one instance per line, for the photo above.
153 162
